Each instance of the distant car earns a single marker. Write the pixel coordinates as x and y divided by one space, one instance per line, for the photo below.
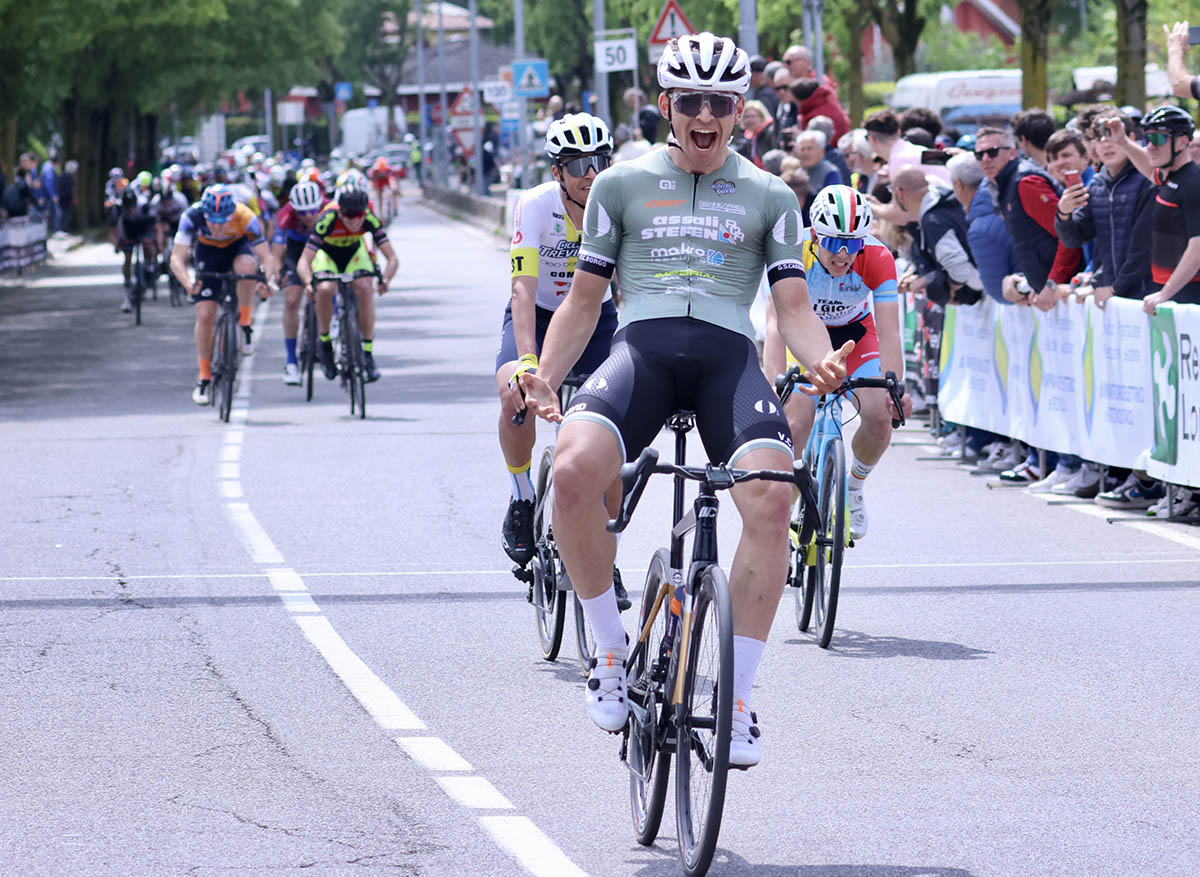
396 154
252 144
185 151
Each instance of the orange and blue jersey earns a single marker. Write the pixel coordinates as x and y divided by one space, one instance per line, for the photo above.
194 227
840 301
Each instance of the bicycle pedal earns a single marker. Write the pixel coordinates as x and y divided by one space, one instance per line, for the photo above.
523 574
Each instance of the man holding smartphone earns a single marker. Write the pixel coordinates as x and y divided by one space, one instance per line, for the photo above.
1179 37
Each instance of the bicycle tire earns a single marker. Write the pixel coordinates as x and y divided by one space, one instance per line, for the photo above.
221 389
136 294
798 572
585 641
308 349
352 355
826 575
647 797
549 603
231 365
176 290
703 764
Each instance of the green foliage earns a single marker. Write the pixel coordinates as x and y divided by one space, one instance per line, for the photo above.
876 93
952 49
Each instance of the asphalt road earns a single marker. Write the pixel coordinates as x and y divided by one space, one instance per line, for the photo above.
293 642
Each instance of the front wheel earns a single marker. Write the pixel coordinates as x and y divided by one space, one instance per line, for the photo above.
703 732
549 603
825 575
650 763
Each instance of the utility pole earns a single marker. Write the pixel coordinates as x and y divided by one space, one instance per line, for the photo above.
602 105
420 80
476 121
523 113
747 27
440 138
268 111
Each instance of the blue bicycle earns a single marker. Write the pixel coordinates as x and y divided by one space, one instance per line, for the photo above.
819 534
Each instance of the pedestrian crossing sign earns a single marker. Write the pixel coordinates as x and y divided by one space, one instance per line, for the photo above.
531 78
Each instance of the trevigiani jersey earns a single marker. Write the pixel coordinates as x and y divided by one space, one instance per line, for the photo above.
545 244
691 245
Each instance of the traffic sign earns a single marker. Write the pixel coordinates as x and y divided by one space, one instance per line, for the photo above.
531 78
671 23
343 91
496 91
616 54
510 109
466 140
462 111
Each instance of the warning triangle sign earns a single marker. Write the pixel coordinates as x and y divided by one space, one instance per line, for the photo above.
464 104
530 81
671 23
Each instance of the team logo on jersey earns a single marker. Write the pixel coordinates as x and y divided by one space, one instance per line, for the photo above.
678 202
594 385
561 250
687 226
578 406
596 221
765 406
517 238
722 207
685 251
724 187
667 185
789 228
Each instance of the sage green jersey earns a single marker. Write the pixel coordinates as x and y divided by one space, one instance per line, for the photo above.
691 245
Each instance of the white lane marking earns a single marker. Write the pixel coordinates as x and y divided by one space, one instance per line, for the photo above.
231 489
368 689
238 414
231 453
262 549
1142 523
285 579
234 435
299 602
526 843
433 753
71 281
474 792
228 470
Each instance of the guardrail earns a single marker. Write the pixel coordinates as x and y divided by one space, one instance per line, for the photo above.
492 212
22 242
1111 384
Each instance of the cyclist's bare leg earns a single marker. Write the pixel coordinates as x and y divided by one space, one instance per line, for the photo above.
291 310
587 460
324 303
516 442
127 268
875 427
364 288
206 316
800 412
759 570
244 264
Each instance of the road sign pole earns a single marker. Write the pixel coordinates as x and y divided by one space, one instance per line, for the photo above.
440 146
602 105
748 27
418 171
476 120
523 150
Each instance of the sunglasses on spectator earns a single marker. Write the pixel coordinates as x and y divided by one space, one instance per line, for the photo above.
1158 138
835 245
691 103
990 153
578 167
781 87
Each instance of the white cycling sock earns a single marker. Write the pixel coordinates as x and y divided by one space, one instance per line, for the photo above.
520 485
747 652
858 471
604 617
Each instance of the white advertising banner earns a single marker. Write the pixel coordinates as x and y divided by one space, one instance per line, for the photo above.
1074 380
1175 366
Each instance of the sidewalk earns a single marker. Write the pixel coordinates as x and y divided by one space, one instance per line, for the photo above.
57 246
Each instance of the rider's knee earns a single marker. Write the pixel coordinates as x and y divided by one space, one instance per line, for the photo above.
580 476
767 505
244 264
877 418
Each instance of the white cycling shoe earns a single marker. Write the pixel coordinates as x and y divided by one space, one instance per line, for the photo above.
745 740
607 699
291 374
858 513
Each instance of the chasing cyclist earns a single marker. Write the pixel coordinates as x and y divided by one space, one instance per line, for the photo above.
136 226
544 252
293 227
690 229
336 244
227 237
852 285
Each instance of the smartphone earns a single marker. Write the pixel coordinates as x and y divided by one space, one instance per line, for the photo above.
934 156
1070 178
1193 36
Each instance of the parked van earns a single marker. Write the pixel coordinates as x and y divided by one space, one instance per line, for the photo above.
964 99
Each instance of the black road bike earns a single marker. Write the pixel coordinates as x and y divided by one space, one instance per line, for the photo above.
225 336
681 666
352 366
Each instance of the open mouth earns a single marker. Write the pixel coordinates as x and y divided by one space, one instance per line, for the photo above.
703 140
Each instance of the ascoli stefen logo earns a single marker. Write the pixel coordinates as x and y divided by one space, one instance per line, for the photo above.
1164 371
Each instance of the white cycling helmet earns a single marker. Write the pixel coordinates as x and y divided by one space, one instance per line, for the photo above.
703 62
305 196
577 134
841 212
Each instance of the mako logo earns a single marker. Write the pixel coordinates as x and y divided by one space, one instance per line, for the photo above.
678 202
686 251
1164 369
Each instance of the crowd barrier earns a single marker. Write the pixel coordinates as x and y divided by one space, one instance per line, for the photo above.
22 242
1111 384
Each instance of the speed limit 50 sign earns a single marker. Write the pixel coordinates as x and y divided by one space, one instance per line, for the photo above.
616 54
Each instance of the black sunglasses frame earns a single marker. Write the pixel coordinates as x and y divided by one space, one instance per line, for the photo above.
989 153
584 162
704 98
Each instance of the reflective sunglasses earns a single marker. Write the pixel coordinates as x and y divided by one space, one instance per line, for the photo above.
578 167
835 245
1158 138
308 214
691 103
990 153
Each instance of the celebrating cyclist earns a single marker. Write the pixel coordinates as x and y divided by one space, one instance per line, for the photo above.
852 284
293 226
690 229
336 244
544 252
136 227
227 237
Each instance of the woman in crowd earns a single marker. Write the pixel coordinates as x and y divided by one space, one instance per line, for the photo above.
758 131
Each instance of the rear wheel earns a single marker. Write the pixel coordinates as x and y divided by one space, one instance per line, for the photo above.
585 641
352 357
224 364
702 742
825 576
650 765
308 349
139 290
549 603
799 557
